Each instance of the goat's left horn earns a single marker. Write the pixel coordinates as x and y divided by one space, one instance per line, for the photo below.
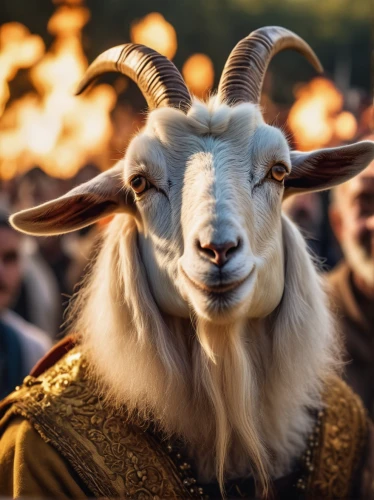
157 77
245 69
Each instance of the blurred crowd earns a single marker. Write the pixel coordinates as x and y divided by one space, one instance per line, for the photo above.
38 276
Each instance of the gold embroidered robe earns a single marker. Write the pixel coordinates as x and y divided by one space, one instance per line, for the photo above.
60 440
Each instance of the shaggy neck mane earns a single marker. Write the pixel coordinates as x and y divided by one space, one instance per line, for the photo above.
244 390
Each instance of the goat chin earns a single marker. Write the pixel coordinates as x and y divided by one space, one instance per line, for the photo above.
220 309
240 393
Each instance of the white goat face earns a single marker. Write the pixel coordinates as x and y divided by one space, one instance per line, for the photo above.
205 190
204 183
209 218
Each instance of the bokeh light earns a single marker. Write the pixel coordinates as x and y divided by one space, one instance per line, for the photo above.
50 127
345 126
316 119
154 31
198 72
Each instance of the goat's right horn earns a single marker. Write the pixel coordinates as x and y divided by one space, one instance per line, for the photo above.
157 77
245 69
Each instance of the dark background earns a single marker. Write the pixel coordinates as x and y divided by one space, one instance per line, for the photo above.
340 31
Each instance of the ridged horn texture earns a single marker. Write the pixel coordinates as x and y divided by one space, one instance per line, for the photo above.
245 69
159 80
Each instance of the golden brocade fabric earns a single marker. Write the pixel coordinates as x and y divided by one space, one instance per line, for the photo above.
117 458
112 457
342 437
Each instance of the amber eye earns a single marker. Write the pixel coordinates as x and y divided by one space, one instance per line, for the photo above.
139 184
278 172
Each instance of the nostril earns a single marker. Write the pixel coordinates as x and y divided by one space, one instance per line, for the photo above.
218 253
208 250
232 247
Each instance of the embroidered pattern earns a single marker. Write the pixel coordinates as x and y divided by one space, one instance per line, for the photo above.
115 458
341 436
112 457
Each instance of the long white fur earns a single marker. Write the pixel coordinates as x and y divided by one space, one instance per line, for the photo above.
239 379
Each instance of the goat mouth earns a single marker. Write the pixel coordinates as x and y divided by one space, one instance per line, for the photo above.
215 289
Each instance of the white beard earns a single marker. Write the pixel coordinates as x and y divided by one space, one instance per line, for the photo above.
237 396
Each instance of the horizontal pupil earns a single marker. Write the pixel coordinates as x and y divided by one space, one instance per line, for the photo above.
279 172
137 182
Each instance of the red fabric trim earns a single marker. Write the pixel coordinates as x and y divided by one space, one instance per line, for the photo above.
54 354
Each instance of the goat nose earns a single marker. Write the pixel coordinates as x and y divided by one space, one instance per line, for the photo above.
218 253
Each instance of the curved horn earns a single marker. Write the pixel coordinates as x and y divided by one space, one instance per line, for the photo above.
245 69
157 77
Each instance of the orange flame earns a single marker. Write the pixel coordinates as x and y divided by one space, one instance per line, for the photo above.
345 126
66 21
316 119
18 49
198 72
155 32
50 127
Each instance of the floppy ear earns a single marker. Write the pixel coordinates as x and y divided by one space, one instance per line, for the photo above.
80 207
325 168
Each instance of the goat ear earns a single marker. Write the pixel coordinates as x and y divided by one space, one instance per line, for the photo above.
325 168
80 207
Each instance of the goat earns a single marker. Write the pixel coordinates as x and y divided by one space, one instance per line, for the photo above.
203 311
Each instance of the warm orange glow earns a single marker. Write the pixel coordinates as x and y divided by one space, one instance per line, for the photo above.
69 2
345 126
367 119
18 49
198 73
67 20
312 117
155 32
51 128
61 69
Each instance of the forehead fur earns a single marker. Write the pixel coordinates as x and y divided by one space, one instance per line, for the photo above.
213 118
230 133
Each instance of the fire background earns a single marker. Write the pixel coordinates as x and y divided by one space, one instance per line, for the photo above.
51 140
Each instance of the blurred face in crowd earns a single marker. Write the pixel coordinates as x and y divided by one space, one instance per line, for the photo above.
10 265
352 219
